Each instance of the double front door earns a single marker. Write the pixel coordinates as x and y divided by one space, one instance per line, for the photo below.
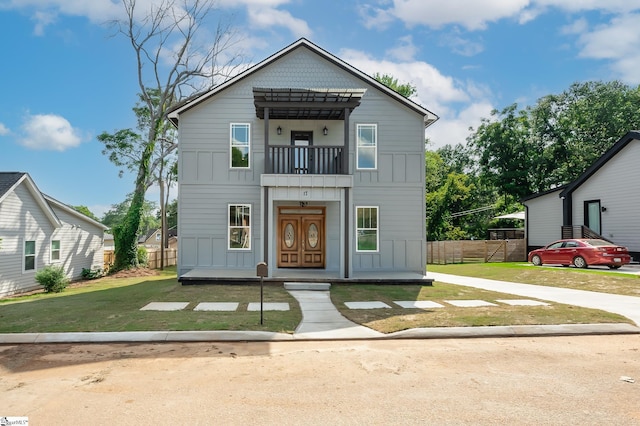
301 237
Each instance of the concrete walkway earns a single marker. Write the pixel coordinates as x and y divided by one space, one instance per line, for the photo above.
628 306
321 319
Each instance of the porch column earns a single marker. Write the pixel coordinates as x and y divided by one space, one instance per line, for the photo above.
265 231
267 163
347 251
345 147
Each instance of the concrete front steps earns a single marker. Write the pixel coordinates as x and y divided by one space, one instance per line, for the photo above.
306 286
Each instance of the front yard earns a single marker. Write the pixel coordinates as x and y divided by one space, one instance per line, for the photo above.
113 304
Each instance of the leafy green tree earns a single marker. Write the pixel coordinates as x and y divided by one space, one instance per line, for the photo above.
170 60
118 213
406 89
85 211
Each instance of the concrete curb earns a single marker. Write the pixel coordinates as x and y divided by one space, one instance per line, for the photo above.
263 336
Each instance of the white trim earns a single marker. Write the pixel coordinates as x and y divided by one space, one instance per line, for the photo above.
429 117
24 256
248 237
377 229
375 146
51 259
231 126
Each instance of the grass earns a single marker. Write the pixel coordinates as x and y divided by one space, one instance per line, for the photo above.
579 279
396 318
113 304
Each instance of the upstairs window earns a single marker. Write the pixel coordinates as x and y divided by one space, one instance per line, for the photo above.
29 255
240 145
367 149
55 250
239 227
367 229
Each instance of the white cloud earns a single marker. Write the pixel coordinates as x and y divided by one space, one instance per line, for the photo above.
453 127
266 17
459 105
610 6
405 50
49 132
4 130
618 42
578 26
473 15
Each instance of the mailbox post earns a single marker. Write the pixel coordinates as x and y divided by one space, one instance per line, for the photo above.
262 271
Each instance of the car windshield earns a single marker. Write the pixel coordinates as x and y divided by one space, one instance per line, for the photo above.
597 243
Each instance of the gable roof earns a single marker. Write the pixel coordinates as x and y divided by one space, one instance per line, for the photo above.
73 212
9 181
173 114
608 155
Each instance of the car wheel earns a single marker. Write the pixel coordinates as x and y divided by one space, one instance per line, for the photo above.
614 266
536 260
579 262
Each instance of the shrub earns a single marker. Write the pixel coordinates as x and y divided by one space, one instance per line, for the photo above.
143 256
52 278
91 274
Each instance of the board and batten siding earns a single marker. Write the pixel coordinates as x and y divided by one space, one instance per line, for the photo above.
614 184
207 184
544 219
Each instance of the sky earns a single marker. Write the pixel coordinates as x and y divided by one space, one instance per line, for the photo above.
67 76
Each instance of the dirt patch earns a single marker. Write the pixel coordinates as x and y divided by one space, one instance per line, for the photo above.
135 272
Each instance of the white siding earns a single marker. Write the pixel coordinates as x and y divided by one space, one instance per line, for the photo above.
614 184
544 219
21 219
81 244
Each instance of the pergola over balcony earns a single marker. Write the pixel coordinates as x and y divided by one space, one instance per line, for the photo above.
306 104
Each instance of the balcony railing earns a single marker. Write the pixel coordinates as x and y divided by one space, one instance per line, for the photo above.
314 160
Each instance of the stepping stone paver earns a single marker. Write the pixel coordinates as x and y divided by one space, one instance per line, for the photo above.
165 306
216 306
470 303
268 306
522 302
418 304
366 305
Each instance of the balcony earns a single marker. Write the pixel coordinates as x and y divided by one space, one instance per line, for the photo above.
305 160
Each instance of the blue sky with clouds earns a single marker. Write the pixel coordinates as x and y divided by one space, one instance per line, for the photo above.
66 78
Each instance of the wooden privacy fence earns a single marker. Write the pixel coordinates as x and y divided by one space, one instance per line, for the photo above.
170 258
464 251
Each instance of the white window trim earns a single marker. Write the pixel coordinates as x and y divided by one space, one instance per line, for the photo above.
59 259
375 147
24 257
229 227
231 145
377 229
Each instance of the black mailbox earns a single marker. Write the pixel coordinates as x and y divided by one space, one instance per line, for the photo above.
262 270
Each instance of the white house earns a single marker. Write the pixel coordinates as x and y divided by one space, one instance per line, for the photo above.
306 163
600 202
37 230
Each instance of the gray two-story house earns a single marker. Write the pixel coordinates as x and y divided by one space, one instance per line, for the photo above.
306 163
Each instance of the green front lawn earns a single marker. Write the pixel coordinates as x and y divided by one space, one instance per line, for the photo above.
113 304
579 279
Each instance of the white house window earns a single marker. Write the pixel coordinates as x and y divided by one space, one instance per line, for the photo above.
158 235
367 228
29 255
239 227
367 153
240 145
55 250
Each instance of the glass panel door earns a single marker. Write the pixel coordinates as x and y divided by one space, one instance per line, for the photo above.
592 215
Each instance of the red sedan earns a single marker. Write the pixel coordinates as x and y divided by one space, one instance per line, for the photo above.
581 253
